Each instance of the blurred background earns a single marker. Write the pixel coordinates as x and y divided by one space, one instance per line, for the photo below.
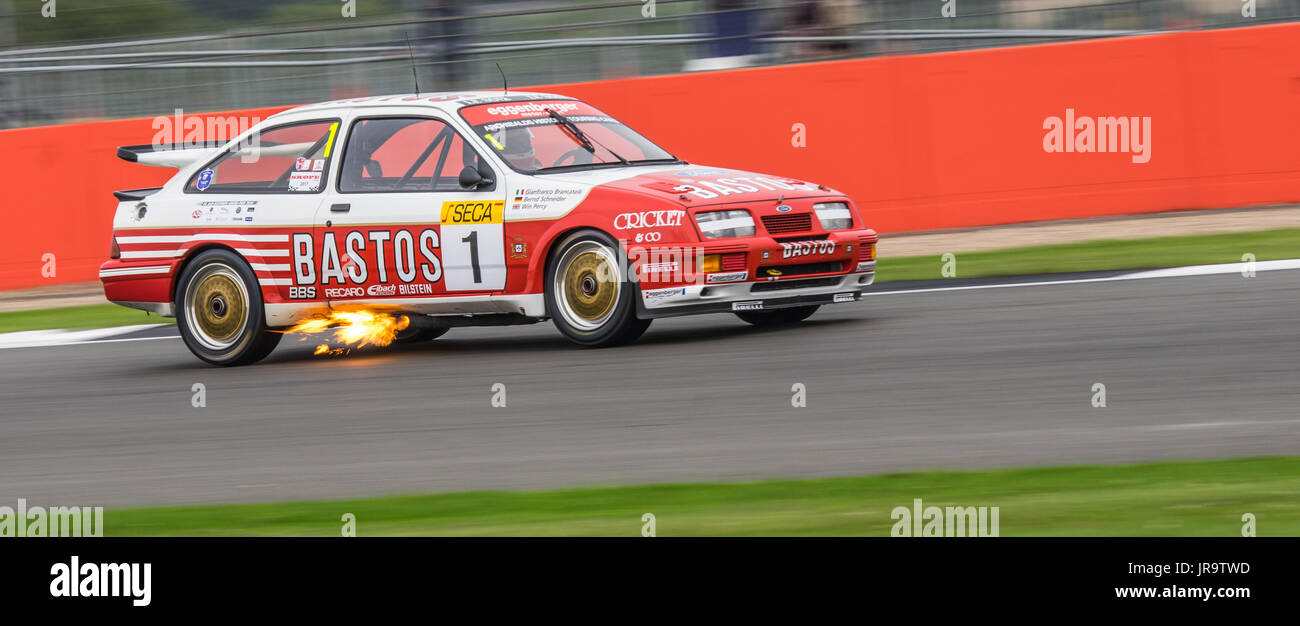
132 58
945 155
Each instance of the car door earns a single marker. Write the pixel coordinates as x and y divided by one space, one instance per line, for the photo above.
398 226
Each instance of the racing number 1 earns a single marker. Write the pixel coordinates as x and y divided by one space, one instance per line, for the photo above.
473 238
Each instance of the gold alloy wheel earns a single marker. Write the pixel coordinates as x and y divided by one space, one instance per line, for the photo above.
216 306
587 285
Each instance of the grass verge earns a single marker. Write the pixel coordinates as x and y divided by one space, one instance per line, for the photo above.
1105 254
1102 254
1193 498
89 316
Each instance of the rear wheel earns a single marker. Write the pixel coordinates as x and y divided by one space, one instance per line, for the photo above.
777 317
589 297
219 310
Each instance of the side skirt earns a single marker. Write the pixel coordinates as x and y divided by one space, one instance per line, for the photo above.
531 305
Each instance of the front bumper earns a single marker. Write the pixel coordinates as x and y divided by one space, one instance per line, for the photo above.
755 295
760 273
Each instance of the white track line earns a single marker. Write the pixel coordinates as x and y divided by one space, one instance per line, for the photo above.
99 341
42 338
1172 272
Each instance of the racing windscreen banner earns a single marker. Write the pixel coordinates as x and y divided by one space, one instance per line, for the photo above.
534 113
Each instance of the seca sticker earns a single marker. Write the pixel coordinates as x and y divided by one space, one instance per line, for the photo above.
472 212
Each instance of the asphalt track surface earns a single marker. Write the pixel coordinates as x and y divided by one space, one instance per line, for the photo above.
1194 367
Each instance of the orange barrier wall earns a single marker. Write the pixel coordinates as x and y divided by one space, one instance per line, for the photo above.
57 195
956 139
920 142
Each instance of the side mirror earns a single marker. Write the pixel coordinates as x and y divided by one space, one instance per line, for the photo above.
471 178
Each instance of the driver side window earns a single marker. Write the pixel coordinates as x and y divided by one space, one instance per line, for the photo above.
404 154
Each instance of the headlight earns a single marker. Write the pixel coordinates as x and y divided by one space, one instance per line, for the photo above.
715 224
833 215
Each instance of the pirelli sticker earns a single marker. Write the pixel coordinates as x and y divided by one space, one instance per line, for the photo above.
473 212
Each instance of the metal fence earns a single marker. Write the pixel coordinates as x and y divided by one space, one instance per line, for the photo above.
455 45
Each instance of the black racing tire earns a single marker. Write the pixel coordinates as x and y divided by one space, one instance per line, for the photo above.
589 296
220 312
778 317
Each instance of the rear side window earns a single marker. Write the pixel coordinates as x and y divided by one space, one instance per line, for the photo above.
293 158
397 154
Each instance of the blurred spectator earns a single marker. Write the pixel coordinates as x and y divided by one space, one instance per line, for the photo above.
824 18
442 42
238 75
732 27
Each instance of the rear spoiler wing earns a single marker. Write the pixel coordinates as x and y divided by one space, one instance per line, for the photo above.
134 195
176 155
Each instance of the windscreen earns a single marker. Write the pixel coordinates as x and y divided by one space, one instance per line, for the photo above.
551 135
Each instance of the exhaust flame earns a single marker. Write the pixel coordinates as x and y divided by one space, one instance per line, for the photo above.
353 329
325 349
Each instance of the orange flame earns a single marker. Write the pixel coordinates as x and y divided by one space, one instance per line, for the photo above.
325 349
353 329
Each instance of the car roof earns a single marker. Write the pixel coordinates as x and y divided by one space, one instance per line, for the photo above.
448 101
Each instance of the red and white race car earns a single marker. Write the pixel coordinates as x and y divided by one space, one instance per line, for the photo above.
468 208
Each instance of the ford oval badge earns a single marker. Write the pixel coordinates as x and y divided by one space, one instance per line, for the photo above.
784 208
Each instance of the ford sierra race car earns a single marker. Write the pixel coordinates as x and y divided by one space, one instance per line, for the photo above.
475 208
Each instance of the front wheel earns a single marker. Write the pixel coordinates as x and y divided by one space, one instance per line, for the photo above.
777 317
588 294
219 310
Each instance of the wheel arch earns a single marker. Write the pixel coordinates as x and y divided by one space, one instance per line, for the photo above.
192 254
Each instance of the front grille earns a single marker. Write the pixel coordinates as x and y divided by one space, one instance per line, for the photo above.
777 224
732 262
721 249
821 237
801 269
794 284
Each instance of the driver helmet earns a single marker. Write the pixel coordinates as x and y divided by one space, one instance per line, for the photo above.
518 150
